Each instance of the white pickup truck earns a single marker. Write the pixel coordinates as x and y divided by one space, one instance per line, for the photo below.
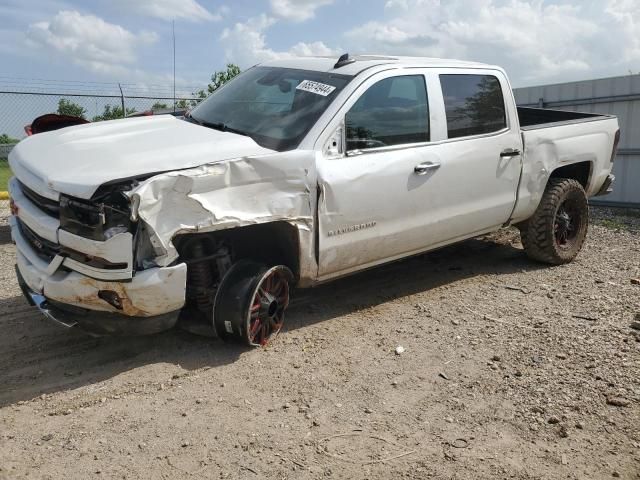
296 172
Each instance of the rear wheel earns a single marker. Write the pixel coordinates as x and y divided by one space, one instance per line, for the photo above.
251 301
557 230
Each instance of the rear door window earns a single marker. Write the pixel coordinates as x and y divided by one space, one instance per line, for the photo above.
393 111
474 104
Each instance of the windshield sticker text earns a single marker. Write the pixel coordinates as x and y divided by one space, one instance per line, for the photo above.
315 87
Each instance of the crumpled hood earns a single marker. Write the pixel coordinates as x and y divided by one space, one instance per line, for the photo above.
77 160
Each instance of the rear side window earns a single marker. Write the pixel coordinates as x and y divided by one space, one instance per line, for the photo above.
393 111
474 104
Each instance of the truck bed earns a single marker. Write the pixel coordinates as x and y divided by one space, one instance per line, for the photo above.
553 139
532 118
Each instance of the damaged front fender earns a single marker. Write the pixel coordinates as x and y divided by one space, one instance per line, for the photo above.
229 194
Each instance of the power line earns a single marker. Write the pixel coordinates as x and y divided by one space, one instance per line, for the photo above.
59 81
85 89
61 94
102 87
78 83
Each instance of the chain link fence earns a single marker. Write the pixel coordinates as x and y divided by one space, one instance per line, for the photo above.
5 174
20 108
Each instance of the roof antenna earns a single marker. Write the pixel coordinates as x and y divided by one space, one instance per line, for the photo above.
344 60
173 34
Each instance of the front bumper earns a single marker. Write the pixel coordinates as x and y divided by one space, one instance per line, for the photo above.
150 302
94 322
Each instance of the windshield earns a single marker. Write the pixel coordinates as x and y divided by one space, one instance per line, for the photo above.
274 106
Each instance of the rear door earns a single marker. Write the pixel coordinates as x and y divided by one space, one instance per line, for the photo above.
480 156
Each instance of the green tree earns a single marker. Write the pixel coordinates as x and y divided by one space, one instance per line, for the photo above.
486 107
67 107
113 113
217 80
183 103
5 139
220 78
159 106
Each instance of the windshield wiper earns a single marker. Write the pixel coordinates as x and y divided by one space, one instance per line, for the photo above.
223 127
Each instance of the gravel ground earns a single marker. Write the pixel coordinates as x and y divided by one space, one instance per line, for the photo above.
510 369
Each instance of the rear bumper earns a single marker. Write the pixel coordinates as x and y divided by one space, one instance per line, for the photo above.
94 322
607 186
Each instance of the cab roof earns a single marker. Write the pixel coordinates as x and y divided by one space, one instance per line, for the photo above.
359 63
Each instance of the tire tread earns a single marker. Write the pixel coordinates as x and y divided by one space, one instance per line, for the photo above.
537 232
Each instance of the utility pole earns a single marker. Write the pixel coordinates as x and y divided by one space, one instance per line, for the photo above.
122 100
173 33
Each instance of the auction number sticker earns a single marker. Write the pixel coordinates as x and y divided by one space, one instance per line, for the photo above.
315 87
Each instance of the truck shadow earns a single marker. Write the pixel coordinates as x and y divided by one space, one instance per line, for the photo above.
497 254
40 357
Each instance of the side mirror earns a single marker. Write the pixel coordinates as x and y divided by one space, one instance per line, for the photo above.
334 146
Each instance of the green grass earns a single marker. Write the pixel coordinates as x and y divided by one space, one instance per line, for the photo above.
611 223
5 174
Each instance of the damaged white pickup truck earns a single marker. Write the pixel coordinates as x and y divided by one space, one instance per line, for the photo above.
296 172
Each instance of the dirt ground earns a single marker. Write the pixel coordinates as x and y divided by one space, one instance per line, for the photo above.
510 370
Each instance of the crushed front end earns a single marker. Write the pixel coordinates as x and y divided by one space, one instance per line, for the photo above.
85 262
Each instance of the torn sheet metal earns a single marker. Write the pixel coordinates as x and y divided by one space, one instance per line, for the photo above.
244 191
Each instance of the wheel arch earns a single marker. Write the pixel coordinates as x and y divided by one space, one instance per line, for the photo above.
580 171
541 167
275 243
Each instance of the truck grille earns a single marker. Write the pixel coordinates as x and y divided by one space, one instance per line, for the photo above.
48 206
45 249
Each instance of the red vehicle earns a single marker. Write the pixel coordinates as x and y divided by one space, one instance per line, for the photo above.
52 121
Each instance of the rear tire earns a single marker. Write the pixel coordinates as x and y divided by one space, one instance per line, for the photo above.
557 230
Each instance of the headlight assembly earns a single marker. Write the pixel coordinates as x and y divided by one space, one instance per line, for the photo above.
96 220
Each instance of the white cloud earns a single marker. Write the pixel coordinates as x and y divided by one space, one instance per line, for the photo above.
297 10
89 41
172 9
534 40
302 49
626 18
245 44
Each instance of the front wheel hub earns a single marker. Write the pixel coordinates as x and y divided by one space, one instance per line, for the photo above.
270 299
251 302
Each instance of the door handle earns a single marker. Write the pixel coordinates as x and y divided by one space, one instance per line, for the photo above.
426 167
509 153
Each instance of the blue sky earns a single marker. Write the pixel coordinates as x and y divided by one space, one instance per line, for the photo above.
129 41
